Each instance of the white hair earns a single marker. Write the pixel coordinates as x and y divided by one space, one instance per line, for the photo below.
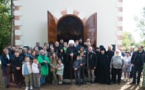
110 46
5 49
41 51
118 54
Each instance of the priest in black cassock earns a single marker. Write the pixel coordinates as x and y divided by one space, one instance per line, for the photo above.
71 53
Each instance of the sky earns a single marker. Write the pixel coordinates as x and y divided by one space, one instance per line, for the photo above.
132 8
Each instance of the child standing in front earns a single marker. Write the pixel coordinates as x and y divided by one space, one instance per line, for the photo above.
76 66
36 69
60 68
27 73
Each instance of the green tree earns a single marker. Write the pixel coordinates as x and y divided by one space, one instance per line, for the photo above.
5 24
141 27
128 41
141 23
142 43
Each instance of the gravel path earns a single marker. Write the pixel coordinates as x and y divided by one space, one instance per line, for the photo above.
123 86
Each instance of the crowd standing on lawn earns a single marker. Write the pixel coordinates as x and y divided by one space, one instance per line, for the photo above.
75 61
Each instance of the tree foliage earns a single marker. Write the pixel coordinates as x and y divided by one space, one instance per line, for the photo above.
141 28
142 43
141 23
5 24
128 41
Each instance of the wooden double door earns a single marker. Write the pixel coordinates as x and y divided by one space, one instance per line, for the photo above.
72 27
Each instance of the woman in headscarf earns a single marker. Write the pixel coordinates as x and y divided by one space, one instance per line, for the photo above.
117 65
104 67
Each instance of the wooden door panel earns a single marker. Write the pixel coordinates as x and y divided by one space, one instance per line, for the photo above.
91 29
52 29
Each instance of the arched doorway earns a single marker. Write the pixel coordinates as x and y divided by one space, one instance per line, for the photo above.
69 27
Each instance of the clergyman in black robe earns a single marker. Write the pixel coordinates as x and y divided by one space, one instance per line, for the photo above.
71 53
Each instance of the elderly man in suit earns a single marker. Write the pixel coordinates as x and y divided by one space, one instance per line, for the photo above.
137 63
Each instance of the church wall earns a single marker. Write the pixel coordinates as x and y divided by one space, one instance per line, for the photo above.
31 26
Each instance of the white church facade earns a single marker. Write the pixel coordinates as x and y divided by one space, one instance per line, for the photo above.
49 20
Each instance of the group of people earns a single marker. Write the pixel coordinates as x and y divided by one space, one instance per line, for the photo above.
75 61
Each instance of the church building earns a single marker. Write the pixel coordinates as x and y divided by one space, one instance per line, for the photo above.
51 20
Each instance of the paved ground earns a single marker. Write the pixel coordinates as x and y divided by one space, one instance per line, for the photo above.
83 87
123 86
